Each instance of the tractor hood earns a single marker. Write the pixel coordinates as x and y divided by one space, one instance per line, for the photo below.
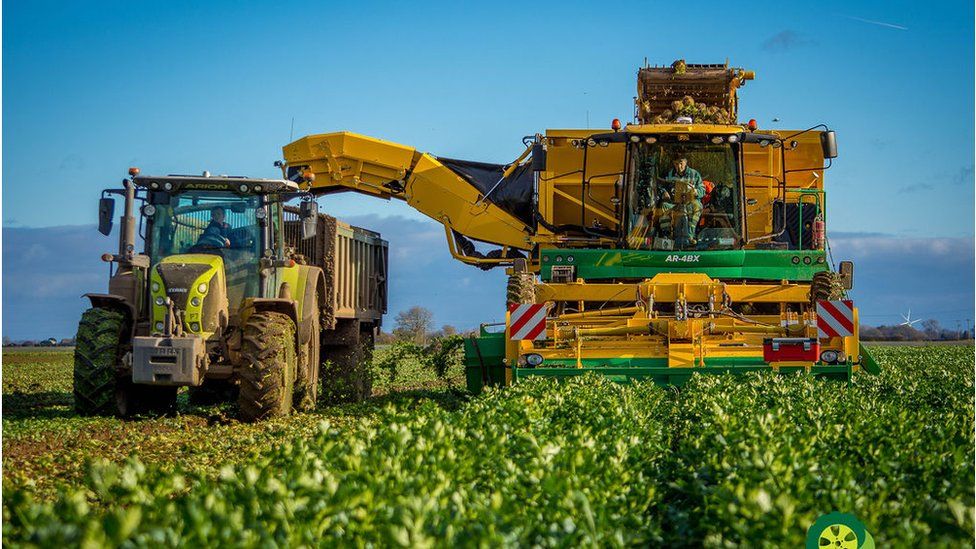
196 285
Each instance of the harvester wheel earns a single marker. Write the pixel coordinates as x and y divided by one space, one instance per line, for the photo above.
307 381
347 368
521 289
826 286
98 354
269 368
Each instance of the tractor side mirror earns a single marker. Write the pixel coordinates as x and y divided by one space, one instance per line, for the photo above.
106 209
847 274
309 213
828 143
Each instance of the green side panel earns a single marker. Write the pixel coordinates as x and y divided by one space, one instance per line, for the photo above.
867 361
483 355
775 265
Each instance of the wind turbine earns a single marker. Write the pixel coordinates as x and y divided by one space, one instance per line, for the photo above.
908 319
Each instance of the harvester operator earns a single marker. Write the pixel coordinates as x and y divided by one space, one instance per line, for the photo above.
680 205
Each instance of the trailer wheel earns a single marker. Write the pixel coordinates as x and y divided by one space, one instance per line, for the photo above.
269 366
347 368
307 381
97 357
521 289
826 286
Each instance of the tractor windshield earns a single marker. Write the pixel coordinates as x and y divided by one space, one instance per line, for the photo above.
219 223
684 195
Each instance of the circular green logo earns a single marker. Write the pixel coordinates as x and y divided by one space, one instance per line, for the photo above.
838 531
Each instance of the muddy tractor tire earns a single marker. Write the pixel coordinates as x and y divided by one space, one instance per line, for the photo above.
826 286
347 367
98 355
269 366
520 289
307 380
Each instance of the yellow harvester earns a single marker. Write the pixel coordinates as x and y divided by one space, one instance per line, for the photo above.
682 242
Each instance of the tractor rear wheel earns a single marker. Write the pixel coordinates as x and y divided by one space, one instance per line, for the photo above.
269 368
98 355
307 381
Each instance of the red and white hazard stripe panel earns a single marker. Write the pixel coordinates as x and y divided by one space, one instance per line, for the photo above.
835 318
527 321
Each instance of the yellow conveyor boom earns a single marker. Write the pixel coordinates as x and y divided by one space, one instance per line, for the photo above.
350 161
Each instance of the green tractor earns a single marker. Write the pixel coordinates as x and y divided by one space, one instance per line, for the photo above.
223 302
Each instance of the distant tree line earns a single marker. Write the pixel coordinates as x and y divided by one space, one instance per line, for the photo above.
415 325
931 331
49 342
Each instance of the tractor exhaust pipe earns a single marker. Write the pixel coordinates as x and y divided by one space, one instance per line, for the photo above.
127 232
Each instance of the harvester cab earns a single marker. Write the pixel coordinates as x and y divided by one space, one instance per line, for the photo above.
217 301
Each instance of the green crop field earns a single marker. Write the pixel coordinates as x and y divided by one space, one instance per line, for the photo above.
724 461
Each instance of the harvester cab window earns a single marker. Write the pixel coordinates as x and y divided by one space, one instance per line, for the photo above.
684 196
223 224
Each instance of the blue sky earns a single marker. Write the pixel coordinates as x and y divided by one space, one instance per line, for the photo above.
179 87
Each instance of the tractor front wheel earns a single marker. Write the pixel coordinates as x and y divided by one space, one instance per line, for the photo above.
269 366
98 355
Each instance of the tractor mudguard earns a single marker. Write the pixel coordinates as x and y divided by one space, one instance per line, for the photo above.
118 303
286 307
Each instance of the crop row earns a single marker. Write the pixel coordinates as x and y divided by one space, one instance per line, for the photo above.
725 460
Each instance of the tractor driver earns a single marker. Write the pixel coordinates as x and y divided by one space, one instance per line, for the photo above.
680 201
217 233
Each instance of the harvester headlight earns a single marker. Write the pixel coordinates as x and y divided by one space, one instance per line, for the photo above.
155 287
202 288
733 138
533 359
570 259
796 260
559 259
194 326
160 301
634 138
168 186
260 213
829 356
159 326
718 139
650 140
149 210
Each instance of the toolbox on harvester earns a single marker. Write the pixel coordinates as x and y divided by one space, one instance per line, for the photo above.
684 242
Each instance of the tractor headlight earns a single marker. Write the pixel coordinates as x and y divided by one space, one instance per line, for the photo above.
260 213
160 301
195 302
194 326
829 356
244 188
159 326
148 210
202 288
168 186
533 359
155 287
